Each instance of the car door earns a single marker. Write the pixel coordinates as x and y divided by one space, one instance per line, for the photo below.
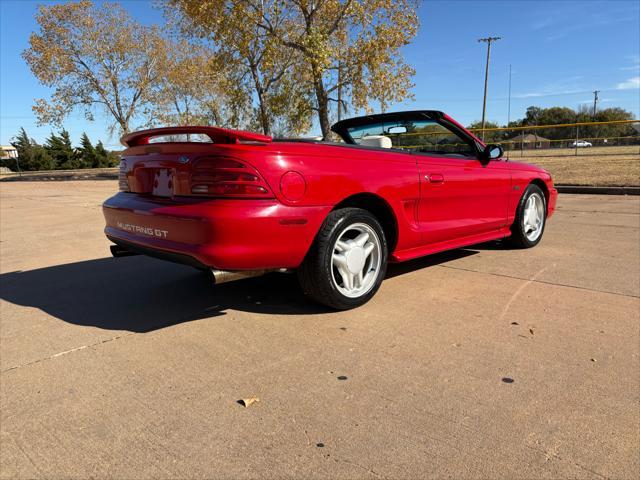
461 197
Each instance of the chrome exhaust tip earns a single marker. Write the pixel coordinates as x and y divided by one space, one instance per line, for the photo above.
224 276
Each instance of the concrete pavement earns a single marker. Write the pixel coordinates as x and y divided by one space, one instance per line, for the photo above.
479 363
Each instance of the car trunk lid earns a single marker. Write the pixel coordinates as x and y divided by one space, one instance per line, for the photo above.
165 162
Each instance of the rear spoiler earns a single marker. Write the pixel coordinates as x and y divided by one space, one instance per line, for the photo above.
216 134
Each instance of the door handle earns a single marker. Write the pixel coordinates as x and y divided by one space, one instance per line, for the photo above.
434 178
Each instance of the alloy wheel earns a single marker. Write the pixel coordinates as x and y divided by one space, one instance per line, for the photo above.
356 260
533 218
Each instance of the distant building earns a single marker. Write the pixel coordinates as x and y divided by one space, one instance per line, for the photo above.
529 141
8 151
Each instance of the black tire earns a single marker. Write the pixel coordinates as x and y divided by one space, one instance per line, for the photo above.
519 238
316 274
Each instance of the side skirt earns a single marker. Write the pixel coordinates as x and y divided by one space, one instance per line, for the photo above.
404 255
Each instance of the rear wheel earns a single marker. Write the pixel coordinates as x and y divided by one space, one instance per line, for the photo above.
531 217
348 260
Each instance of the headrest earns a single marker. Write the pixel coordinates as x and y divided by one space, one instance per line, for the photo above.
379 141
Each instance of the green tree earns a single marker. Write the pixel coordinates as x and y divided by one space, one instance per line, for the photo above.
489 136
113 159
61 151
25 148
31 156
615 130
552 116
87 153
105 158
41 159
565 115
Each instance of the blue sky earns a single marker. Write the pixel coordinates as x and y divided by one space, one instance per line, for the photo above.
559 51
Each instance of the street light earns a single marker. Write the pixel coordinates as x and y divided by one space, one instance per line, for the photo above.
488 41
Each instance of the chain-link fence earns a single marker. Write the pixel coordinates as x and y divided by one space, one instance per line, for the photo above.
586 138
587 153
594 153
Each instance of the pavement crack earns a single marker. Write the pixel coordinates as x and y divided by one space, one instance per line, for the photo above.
304 430
28 457
66 352
357 465
607 225
562 210
539 281
590 471
553 454
517 293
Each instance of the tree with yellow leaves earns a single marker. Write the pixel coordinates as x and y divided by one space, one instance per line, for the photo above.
196 89
259 67
339 50
94 56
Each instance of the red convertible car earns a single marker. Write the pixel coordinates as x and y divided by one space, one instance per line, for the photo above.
398 186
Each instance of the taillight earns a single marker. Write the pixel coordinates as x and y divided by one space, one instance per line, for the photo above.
123 183
226 177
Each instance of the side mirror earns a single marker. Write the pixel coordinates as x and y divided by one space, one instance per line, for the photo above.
492 151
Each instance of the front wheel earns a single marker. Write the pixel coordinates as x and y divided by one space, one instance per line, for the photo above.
347 261
531 217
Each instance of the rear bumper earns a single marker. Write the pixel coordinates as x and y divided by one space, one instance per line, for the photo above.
221 234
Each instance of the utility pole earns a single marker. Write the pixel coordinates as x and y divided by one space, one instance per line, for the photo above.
595 101
488 41
509 105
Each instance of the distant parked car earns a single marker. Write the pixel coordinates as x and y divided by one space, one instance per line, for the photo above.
581 143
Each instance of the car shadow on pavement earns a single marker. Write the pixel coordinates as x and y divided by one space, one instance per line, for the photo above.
141 294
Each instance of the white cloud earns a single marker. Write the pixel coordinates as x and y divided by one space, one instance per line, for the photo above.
590 25
634 60
544 23
548 93
630 84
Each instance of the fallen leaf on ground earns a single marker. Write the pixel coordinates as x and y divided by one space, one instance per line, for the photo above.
245 402
531 331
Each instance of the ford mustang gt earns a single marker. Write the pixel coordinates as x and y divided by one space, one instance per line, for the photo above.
396 187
